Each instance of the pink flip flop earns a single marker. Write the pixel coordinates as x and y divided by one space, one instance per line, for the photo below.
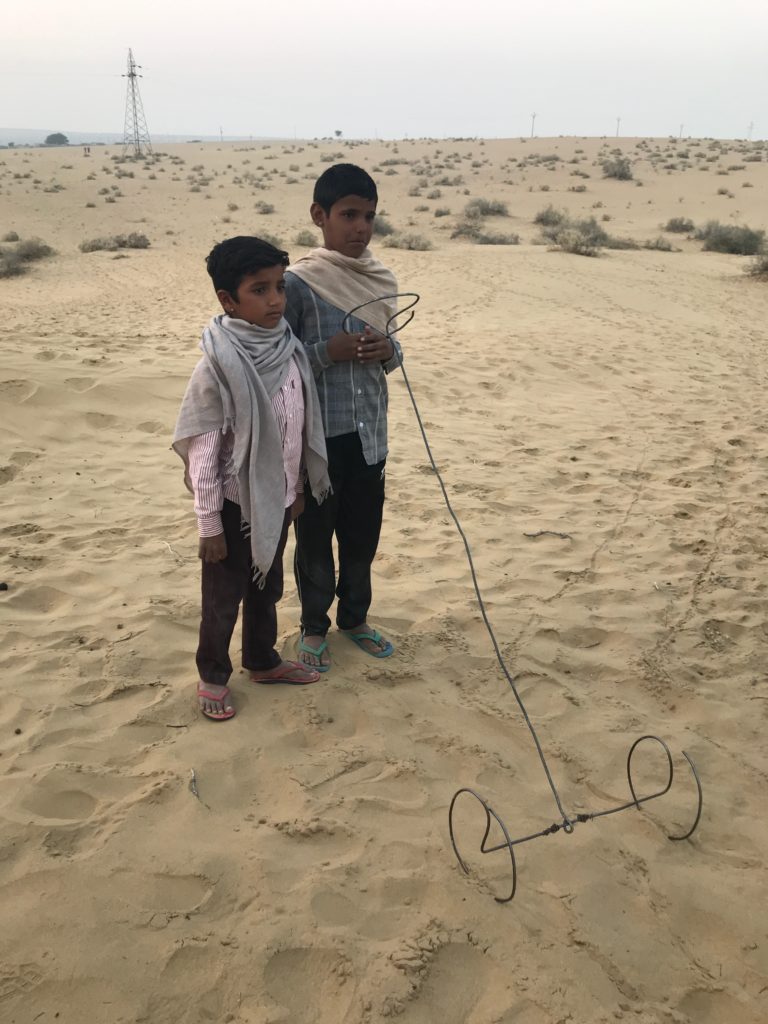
288 674
216 716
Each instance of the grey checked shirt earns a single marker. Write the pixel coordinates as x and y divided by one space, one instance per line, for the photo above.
353 397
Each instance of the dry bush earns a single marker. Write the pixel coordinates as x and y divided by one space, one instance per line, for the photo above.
758 267
473 231
112 243
306 238
738 240
619 168
476 209
14 262
680 225
417 243
381 226
661 244
549 217
32 249
10 264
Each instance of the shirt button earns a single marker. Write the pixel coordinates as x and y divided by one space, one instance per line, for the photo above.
359 391
361 425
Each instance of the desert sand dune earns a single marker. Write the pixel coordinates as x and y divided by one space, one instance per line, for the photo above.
619 400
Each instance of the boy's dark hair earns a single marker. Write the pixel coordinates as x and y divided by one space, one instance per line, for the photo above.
343 180
231 260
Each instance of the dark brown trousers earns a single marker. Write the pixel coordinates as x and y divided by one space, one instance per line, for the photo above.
228 584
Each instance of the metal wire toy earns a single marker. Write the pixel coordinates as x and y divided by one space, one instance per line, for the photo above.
567 822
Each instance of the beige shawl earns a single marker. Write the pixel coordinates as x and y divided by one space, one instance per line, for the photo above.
346 282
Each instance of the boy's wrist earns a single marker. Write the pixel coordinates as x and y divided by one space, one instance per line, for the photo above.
209 525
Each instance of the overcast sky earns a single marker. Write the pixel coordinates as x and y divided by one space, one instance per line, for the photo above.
392 68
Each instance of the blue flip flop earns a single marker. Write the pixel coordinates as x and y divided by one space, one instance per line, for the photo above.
317 651
376 637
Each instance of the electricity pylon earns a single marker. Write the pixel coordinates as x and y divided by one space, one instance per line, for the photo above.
136 133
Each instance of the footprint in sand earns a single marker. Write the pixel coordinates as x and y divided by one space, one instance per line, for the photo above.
98 420
80 383
456 981
182 1001
312 984
17 390
19 460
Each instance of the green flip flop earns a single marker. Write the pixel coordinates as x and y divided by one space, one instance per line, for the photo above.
376 637
317 651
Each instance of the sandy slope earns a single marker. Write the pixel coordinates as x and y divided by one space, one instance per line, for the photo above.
619 400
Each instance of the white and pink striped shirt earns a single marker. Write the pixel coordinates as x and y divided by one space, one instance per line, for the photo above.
210 458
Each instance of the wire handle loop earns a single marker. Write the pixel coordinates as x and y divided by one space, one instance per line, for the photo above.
388 330
489 814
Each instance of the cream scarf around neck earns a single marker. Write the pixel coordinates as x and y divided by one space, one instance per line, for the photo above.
346 281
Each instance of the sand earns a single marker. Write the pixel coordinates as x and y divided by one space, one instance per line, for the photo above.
619 400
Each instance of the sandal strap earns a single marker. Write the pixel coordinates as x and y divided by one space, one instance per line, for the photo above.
307 649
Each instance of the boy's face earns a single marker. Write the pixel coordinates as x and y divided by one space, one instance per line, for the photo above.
348 226
260 298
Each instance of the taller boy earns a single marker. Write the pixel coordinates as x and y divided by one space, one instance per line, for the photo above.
350 368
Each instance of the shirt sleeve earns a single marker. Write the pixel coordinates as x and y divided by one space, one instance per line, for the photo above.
296 314
203 455
397 357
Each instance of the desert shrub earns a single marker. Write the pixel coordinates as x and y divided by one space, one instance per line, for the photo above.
112 243
10 264
421 209
443 211
265 236
417 243
661 244
583 237
577 188
679 225
306 237
382 227
467 229
11 236
614 242
474 232
550 217
478 208
32 249
14 262
232 207
731 238
497 238
264 208
758 267
619 168
572 240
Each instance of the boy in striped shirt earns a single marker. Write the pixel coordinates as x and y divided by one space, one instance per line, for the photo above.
249 430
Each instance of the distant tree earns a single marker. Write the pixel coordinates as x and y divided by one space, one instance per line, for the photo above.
57 139
337 133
